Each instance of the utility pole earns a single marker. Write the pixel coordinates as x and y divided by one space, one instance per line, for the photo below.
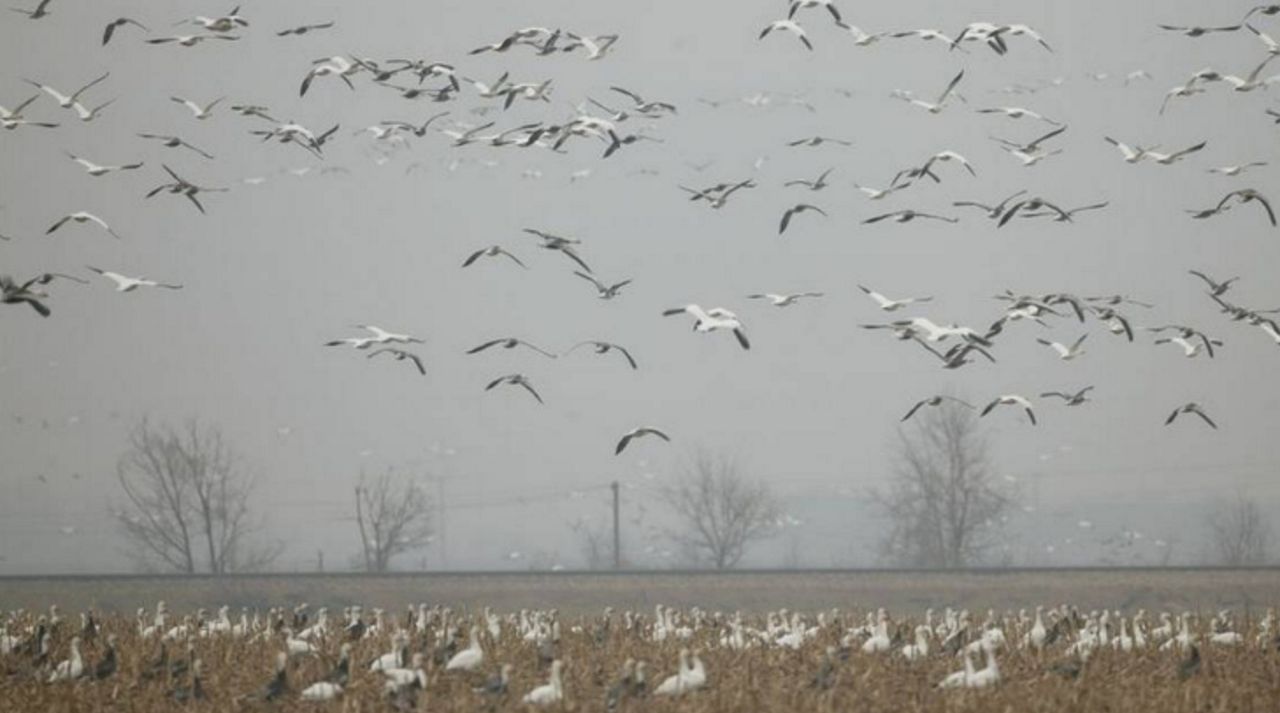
617 532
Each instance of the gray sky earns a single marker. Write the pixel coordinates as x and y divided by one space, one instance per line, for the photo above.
276 269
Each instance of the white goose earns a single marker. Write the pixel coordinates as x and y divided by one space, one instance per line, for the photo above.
988 676
788 26
783 300
199 112
889 305
710 320
690 677
550 692
129 284
82 217
66 101
940 103
1011 400
1066 353
470 658
920 649
71 668
95 170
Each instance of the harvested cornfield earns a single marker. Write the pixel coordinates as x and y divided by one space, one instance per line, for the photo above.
1057 660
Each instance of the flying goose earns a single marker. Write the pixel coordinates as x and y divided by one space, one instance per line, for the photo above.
1273 47
707 321
600 347
604 292
110 29
95 170
993 211
1172 158
1115 323
304 29
401 355
510 343
1197 30
514 380
1236 170
717 195
1066 353
861 38
1246 195
943 156
1017 112
174 142
66 101
129 284
889 305
224 23
958 355
1131 154
815 185
11 293
492 251
798 208
924 34
936 400
338 66
797 5
639 432
647 108
938 105
417 130
1071 398
1217 289
787 26
876 194
183 187
783 300
1269 10
200 112
1191 407
818 141
560 244
596 47
189 40
1029 205
908 215
532 36
82 217
41 10
1191 349
1065 215
1011 400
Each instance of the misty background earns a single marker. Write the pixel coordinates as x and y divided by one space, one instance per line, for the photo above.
280 266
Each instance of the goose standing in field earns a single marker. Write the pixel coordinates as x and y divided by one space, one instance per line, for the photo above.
492 251
690 677
707 321
510 343
194 691
1071 398
514 380
71 668
1066 353
95 170
199 112
934 401
109 663
889 305
603 291
639 432
989 675
783 300
920 649
82 217
940 103
600 347
64 100
550 693
401 355
321 691
109 31
959 679
470 658
788 26
1011 400
1190 407
798 208
129 284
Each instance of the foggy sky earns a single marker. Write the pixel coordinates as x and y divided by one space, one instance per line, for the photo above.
274 270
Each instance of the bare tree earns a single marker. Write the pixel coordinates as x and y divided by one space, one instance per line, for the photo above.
943 505
188 502
1240 532
394 517
720 513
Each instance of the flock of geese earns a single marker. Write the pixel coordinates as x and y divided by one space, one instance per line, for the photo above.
408 655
